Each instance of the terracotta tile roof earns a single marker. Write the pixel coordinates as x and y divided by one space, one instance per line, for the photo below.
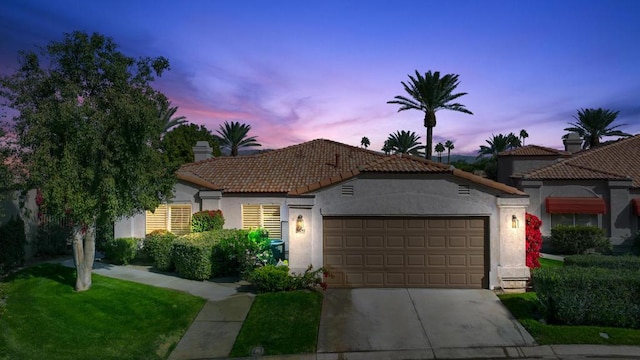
618 160
534 150
306 167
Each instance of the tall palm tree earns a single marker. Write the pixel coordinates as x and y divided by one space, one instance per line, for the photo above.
523 135
166 117
404 142
234 136
439 149
430 93
449 145
593 124
386 147
365 142
497 144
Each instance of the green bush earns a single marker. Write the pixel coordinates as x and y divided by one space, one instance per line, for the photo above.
234 254
635 243
52 239
579 239
207 220
262 246
575 295
157 246
122 250
271 278
192 259
604 261
12 242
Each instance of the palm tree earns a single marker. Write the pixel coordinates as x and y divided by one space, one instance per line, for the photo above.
365 142
430 93
386 147
449 145
593 124
439 149
234 136
497 144
404 142
167 119
523 135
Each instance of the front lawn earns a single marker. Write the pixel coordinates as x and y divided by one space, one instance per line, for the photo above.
281 323
42 317
525 308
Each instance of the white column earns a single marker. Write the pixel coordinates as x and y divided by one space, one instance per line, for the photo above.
300 242
513 272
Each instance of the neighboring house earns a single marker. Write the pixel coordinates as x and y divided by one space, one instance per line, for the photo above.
599 186
373 220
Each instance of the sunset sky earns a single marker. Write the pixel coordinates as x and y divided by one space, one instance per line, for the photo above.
302 70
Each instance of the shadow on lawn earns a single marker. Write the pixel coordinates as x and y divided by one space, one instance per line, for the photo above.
56 272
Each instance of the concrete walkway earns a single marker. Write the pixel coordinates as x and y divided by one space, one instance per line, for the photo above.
213 332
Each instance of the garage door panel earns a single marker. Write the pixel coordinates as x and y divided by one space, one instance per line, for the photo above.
406 252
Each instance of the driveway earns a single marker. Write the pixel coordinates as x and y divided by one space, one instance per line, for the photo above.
361 320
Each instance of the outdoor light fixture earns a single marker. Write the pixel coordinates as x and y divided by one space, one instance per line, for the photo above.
300 225
514 222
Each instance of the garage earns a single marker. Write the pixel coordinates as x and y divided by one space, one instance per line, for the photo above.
425 252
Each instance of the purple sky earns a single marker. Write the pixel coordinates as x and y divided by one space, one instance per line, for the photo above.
301 70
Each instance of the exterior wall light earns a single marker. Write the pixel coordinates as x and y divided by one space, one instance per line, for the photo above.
300 225
514 222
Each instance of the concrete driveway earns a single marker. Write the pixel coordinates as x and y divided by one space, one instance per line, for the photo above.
415 320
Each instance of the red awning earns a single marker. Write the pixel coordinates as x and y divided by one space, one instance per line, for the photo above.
635 203
575 205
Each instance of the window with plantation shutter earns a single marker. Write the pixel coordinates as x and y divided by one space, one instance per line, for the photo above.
264 216
175 218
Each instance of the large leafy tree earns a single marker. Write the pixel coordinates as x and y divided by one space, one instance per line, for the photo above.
404 142
593 124
234 136
168 118
430 93
89 134
178 143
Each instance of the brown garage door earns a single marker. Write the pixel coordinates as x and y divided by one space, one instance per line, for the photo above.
435 252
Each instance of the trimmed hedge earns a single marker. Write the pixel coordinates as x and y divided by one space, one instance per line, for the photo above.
604 261
578 239
233 255
157 245
207 220
12 242
575 295
192 259
121 251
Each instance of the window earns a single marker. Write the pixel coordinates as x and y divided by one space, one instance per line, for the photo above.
175 218
264 216
574 219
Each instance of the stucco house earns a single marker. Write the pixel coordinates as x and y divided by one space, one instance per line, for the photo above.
374 220
599 186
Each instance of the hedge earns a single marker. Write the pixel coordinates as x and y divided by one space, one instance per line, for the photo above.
192 259
579 239
12 242
234 254
575 295
157 245
207 220
604 261
121 251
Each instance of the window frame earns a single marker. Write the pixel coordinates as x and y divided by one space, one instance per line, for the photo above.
598 218
263 216
167 210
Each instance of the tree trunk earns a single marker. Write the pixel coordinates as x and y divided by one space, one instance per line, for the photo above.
427 150
84 250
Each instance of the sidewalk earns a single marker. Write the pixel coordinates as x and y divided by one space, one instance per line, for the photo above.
213 332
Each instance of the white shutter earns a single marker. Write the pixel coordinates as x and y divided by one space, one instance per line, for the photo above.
271 220
156 220
180 216
251 218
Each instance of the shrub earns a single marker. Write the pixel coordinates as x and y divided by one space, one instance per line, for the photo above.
604 261
207 220
233 254
157 245
12 242
192 259
534 240
635 245
271 278
122 250
52 239
578 239
589 296
262 246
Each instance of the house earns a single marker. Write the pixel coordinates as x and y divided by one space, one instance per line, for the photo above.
599 186
373 220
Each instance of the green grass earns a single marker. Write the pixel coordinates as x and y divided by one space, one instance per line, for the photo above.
550 263
44 318
281 323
